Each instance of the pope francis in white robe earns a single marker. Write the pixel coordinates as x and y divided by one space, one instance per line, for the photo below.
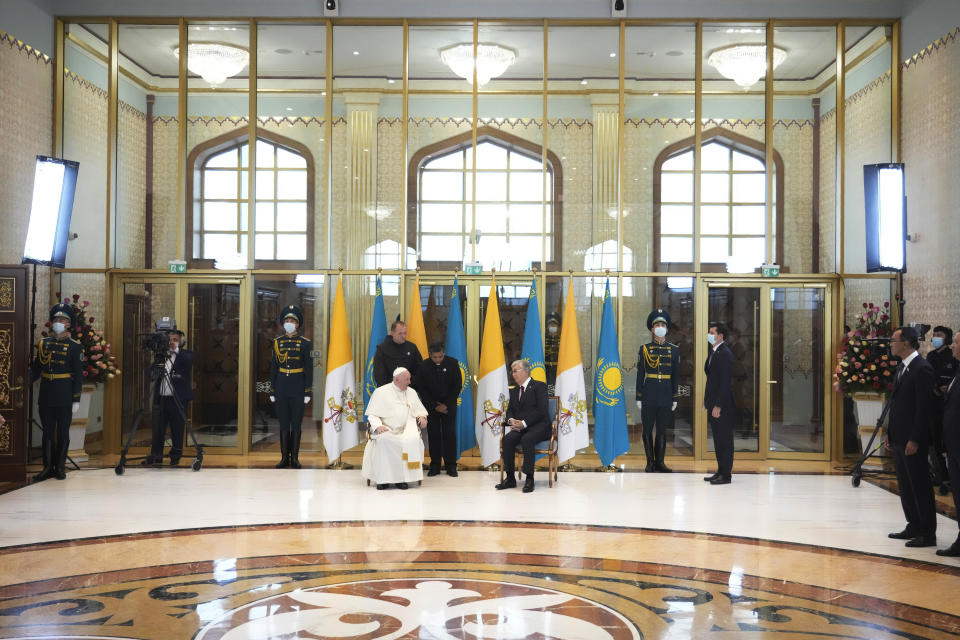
394 454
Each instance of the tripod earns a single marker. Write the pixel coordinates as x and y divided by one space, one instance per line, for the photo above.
159 376
857 472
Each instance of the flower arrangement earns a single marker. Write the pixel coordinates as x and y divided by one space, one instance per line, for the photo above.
98 365
863 366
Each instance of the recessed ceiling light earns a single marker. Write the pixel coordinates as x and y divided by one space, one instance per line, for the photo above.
283 52
674 53
584 81
356 53
613 54
289 108
655 94
391 80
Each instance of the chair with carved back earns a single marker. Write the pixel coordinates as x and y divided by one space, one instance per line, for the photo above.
548 448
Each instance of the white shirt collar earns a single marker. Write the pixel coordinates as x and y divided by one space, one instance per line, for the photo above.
525 383
909 359
717 344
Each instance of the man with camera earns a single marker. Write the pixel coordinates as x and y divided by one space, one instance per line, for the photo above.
59 365
172 392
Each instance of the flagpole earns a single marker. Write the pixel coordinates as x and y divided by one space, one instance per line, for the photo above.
495 466
339 464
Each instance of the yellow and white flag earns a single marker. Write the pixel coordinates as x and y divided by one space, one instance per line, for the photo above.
416 333
492 393
340 410
572 431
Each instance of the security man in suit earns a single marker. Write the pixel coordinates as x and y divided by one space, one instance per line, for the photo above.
291 383
718 401
951 440
657 362
395 352
945 367
59 365
527 424
172 394
438 385
908 436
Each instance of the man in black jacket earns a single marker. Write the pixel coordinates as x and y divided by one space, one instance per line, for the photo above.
951 441
172 394
718 401
438 384
395 352
908 436
527 424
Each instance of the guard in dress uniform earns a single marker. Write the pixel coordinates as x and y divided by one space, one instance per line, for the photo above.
59 365
291 380
438 385
657 362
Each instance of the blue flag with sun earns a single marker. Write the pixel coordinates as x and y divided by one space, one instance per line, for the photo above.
456 348
532 349
378 333
610 436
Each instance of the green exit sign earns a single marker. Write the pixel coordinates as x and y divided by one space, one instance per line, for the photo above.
178 266
472 268
770 270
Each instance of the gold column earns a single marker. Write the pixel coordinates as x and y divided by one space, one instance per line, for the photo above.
897 97
113 65
182 136
841 125
252 145
768 115
606 190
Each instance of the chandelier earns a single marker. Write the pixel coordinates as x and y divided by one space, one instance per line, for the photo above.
745 64
492 60
215 61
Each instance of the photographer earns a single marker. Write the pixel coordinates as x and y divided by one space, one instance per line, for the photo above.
172 391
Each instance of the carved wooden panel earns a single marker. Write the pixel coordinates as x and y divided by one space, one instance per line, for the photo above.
8 294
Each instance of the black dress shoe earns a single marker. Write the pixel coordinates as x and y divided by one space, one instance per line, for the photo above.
509 483
433 472
149 460
922 541
711 478
381 487
721 480
528 485
61 474
174 461
452 473
402 485
901 535
952 551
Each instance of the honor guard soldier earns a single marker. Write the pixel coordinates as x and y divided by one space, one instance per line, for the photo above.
657 363
59 365
291 380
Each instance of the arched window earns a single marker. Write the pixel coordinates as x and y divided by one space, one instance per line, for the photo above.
217 202
601 257
385 255
732 204
510 203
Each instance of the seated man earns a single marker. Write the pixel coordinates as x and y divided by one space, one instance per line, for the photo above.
527 424
394 454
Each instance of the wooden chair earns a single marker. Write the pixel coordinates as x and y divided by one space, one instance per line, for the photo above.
545 447
366 439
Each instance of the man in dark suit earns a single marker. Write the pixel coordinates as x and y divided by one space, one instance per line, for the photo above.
951 441
527 424
172 394
438 384
718 401
908 436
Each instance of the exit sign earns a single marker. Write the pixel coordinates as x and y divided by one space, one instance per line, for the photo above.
178 266
770 270
472 268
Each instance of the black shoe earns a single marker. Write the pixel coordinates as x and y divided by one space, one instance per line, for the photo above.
174 461
61 474
901 535
381 487
922 541
47 472
283 464
146 462
452 473
402 485
509 483
528 485
721 480
648 451
952 551
433 472
711 478
295 450
284 451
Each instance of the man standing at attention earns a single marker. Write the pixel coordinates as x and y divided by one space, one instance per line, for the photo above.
718 402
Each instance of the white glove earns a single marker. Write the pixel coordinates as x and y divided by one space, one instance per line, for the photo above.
306 399
272 399
75 407
674 407
639 404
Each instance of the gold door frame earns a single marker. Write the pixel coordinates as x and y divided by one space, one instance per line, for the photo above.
763 375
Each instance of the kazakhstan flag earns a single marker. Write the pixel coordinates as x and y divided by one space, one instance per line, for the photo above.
456 348
532 350
609 412
378 333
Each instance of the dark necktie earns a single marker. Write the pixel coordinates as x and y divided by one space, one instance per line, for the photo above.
900 371
520 396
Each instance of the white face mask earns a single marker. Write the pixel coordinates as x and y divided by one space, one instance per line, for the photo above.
711 338
289 327
659 331
552 330
58 327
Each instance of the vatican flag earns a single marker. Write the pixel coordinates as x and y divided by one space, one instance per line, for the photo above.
572 431
416 332
340 413
492 394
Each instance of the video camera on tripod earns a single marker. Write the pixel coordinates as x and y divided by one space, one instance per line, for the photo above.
158 342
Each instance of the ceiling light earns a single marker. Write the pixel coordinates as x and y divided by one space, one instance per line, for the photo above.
745 64
492 60
613 55
356 53
215 61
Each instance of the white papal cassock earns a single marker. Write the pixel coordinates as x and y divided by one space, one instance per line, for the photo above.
395 455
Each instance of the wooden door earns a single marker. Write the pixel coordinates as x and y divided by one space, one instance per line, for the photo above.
14 381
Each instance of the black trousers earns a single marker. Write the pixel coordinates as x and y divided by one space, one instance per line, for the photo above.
916 492
953 467
290 413
528 439
660 417
722 428
56 425
442 437
166 413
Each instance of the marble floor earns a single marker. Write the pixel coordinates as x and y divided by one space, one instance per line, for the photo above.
254 553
